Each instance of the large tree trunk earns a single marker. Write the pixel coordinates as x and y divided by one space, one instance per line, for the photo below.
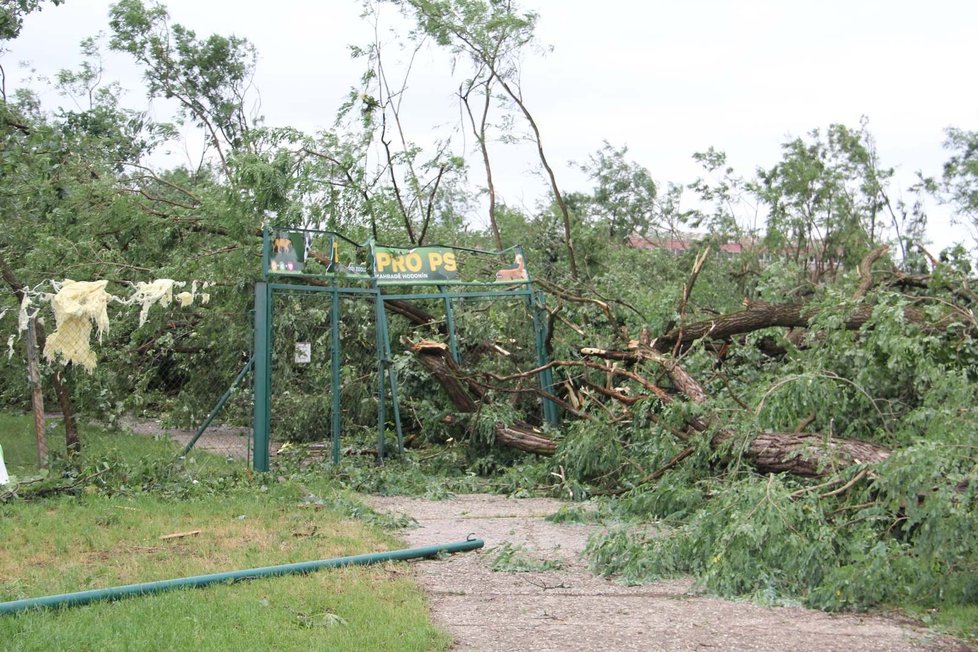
522 436
434 357
758 315
806 454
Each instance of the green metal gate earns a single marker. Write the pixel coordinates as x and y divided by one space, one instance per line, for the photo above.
319 291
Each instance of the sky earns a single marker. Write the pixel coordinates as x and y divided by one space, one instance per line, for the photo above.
665 79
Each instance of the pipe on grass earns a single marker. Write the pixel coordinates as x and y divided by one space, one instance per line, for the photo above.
147 588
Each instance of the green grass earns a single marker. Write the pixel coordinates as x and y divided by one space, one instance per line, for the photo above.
956 620
20 448
104 536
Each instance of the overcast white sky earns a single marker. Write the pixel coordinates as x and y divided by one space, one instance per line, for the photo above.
666 79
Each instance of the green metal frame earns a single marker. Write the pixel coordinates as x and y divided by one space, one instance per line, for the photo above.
447 291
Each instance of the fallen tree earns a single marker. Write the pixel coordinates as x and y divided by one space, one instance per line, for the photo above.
803 454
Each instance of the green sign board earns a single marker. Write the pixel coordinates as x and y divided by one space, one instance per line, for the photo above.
288 255
418 265
321 253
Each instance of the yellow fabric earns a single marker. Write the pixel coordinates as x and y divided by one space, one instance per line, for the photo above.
77 306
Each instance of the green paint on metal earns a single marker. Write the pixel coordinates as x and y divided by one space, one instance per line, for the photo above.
263 390
380 335
324 289
450 324
483 294
334 344
395 406
435 268
536 306
219 406
197 581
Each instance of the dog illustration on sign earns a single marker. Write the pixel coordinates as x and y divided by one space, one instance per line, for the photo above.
285 258
517 273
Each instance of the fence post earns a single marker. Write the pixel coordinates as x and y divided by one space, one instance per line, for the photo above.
37 396
550 413
263 354
334 365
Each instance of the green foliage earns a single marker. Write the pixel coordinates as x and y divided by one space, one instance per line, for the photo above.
959 181
624 195
826 199
208 78
78 200
12 16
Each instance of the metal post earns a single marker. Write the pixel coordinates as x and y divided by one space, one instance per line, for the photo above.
450 324
380 332
219 406
395 400
148 588
263 360
334 346
550 413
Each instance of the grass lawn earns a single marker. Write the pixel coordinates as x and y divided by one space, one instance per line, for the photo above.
106 536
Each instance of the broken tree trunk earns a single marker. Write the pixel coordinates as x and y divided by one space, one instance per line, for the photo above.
810 455
522 436
757 315
466 394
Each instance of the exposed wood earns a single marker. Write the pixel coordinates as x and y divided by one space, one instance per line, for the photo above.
180 535
37 395
687 293
463 394
810 454
866 270
524 437
759 315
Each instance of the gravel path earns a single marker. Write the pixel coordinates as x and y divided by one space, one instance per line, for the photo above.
571 609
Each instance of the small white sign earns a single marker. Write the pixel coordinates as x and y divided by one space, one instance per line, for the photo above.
303 352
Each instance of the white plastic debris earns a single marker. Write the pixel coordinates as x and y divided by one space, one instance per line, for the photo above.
23 317
148 294
4 478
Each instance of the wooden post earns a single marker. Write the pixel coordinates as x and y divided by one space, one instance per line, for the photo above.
37 397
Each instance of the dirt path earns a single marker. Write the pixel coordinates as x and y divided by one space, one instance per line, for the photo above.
571 609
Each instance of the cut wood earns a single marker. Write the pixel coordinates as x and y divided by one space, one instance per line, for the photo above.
180 535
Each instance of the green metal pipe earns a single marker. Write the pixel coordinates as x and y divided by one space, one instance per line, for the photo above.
147 588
